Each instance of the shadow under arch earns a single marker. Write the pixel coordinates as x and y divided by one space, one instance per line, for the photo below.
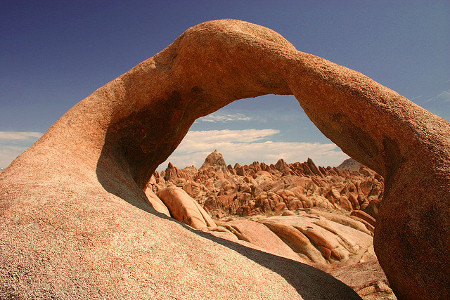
218 62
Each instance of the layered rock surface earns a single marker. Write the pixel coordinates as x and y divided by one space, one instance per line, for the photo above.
185 209
75 221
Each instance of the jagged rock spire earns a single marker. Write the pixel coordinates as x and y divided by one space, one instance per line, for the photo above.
215 160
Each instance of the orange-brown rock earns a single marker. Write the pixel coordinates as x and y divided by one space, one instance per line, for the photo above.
283 167
156 203
215 160
295 204
297 241
364 216
325 242
260 235
367 278
173 174
279 207
342 219
184 208
89 225
373 208
312 166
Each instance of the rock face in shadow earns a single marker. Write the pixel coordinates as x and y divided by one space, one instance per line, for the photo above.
75 219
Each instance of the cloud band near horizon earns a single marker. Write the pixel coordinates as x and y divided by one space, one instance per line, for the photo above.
246 146
237 146
13 143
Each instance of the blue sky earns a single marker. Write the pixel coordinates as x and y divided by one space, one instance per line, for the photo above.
55 53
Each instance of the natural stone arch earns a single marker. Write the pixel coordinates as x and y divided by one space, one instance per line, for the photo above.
124 130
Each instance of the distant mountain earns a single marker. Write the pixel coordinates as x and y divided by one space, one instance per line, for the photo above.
350 164
215 159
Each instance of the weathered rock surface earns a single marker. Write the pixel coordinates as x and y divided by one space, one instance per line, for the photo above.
336 241
311 237
85 229
259 235
297 241
216 161
156 203
184 208
367 278
326 240
261 188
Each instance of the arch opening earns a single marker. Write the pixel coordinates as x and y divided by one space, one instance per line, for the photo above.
111 142
264 129
216 63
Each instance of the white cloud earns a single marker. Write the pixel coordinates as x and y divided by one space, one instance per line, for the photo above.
246 146
439 104
223 118
8 154
14 135
443 97
13 143
200 140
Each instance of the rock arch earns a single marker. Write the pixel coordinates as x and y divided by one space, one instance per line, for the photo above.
106 147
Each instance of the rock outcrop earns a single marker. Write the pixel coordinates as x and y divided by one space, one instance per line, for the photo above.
326 240
260 188
156 203
216 161
350 164
185 209
331 242
76 223
259 235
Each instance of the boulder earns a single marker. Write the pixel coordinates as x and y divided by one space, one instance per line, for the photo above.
295 204
156 203
338 243
185 209
260 235
325 242
297 241
279 207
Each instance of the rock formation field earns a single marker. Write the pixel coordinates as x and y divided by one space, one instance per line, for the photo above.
323 217
261 188
81 216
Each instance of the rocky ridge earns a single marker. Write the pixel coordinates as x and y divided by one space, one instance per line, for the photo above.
261 188
299 211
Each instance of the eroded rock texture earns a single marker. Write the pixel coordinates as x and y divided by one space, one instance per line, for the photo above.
261 188
75 221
